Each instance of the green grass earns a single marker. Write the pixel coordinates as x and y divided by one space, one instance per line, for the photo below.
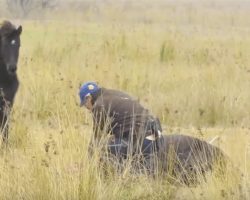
188 64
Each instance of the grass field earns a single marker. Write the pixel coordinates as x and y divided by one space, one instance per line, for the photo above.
189 63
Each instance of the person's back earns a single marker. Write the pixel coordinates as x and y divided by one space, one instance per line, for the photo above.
122 115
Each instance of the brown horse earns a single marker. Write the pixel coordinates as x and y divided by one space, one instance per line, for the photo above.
180 158
9 53
186 158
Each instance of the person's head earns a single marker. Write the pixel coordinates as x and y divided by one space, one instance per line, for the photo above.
86 94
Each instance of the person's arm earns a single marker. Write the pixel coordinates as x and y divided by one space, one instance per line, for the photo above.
98 125
100 121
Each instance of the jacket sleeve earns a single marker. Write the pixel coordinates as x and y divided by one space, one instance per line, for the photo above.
99 121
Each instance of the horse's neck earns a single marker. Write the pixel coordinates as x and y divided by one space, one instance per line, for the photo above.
5 78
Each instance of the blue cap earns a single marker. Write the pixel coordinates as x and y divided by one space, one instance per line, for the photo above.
86 89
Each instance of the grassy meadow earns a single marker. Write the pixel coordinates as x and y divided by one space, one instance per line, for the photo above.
188 62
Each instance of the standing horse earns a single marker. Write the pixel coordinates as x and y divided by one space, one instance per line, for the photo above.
9 53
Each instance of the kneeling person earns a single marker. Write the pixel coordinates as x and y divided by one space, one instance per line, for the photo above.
135 130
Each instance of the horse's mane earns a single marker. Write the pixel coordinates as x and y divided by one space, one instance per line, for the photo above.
6 27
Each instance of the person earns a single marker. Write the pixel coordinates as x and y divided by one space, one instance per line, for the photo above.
135 130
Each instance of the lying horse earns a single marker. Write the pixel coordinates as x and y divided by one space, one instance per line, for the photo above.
187 158
184 159
9 53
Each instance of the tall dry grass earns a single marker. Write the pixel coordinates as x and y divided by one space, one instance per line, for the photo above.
188 64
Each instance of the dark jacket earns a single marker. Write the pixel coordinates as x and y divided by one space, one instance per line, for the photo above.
118 113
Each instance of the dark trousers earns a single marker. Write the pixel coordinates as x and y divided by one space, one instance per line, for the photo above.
145 155
120 147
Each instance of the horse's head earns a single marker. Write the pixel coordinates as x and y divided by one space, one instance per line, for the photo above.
9 46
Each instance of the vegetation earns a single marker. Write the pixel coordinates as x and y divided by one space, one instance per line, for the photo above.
187 62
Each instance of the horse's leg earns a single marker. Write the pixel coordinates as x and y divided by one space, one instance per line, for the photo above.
4 111
6 133
4 127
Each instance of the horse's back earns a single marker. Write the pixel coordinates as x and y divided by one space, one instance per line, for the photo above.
186 146
184 143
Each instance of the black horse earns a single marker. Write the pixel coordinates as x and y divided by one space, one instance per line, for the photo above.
9 53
